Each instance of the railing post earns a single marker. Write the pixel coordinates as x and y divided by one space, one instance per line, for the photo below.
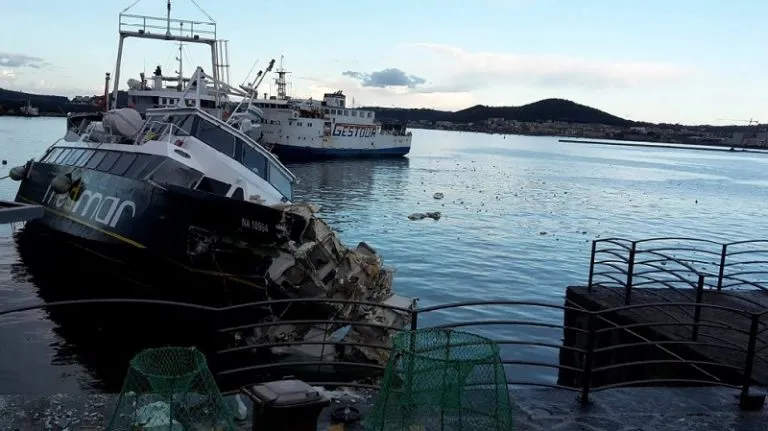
745 401
589 353
591 265
697 307
630 270
723 253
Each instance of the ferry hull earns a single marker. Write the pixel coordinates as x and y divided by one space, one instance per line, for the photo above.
185 235
296 153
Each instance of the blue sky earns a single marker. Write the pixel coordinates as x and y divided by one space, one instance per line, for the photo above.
676 60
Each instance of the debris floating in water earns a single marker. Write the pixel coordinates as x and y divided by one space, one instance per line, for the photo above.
438 195
420 216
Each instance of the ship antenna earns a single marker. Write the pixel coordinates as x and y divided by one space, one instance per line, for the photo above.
180 58
168 31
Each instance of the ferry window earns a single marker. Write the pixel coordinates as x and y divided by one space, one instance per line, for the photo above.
354 113
281 182
370 114
183 122
213 186
95 160
51 156
216 137
143 165
109 159
327 110
84 158
72 157
346 112
172 172
254 161
122 164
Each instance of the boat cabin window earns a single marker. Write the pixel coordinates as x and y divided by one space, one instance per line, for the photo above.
174 173
254 161
51 155
281 182
95 160
123 163
143 165
184 124
83 159
108 161
216 137
211 185
72 157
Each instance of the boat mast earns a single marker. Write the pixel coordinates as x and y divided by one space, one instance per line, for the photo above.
180 59
147 27
280 81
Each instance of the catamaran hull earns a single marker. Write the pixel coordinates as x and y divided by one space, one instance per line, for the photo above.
176 230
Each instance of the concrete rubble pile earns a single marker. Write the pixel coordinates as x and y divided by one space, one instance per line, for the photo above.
322 267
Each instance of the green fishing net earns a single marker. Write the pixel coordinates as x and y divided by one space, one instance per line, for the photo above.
170 388
442 379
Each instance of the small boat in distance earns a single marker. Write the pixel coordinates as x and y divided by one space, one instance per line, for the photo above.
28 110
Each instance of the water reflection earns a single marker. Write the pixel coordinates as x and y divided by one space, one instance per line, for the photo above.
344 187
100 338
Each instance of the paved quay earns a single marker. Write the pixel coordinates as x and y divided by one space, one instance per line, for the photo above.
627 409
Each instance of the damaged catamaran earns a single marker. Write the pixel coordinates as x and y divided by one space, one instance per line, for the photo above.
183 189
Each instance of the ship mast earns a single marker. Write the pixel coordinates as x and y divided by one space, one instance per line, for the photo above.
280 81
145 27
180 59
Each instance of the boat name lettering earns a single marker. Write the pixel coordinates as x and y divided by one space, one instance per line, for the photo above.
354 130
254 225
91 205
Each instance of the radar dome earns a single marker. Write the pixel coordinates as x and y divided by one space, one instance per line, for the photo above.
134 84
125 121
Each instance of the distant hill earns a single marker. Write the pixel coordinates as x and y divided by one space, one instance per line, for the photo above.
543 110
10 99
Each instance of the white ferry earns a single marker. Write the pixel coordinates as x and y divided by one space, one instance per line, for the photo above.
301 129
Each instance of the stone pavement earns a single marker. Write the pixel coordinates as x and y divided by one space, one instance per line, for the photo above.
630 409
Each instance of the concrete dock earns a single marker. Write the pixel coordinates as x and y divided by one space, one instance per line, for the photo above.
696 147
628 409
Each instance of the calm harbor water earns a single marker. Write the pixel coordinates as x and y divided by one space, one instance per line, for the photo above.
518 217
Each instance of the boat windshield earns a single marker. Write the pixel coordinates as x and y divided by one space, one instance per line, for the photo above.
221 139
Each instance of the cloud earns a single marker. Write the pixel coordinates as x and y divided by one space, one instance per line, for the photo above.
391 77
20 60
474 70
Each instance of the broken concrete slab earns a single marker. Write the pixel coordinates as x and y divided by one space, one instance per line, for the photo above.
321 266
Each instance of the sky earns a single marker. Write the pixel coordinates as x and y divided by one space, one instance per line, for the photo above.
674 61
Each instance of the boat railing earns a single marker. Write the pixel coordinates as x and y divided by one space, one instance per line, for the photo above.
159 131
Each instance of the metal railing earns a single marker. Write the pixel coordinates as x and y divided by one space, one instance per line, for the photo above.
678 263
591 358
130 23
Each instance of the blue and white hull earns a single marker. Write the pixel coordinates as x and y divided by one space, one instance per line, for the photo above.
337 148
